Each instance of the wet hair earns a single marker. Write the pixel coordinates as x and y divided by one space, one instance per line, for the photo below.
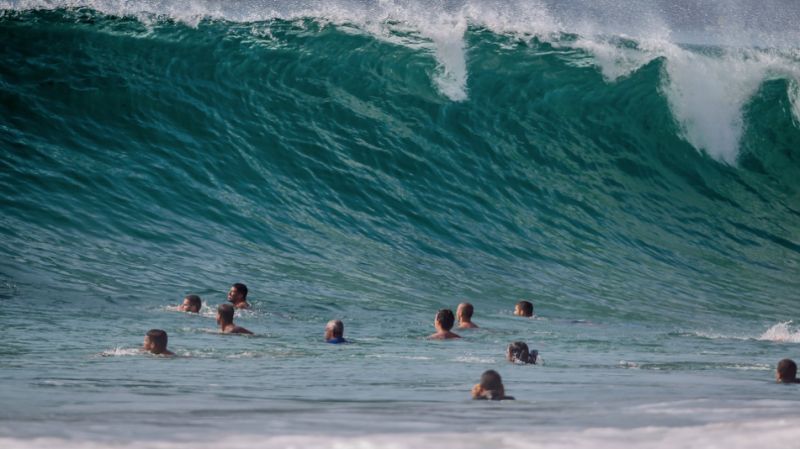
241 288
445 318
526 307
158 338
195 301
225 312
492 384
466 310
519 352
336 327
787 370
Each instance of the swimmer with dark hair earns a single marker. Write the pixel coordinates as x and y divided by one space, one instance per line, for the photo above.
786 372
155 342
237 296
191 304
443 323
518 352
490 388
524 308
464 315
225 321
334 332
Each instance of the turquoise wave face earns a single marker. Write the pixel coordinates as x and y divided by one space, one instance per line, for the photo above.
643 194
304 147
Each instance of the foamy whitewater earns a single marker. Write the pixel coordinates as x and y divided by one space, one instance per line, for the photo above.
632 168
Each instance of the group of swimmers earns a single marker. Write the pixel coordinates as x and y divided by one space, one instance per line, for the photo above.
490 386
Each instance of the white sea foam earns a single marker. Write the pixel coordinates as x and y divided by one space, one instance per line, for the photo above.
121 352
475 359
730 435
708 93
794 97
614 61
244 355
396 356
448 38
781 332
629 365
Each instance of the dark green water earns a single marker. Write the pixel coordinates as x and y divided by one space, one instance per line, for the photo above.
648 204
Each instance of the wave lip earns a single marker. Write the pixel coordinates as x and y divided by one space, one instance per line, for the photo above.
707 91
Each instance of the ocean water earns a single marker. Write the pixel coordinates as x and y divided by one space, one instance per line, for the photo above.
632 168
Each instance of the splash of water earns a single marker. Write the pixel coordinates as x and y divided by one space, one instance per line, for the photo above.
781 332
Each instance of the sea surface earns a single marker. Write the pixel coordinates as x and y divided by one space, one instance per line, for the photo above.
632 168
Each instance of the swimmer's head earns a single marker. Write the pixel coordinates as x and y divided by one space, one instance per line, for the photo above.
334 329
518 352
237 293
524 308
490 387
225 314
786 371
444 319
191 303
465 311
155 341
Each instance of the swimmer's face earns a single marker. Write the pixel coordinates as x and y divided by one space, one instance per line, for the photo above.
187 306
147 345
517 310
234 295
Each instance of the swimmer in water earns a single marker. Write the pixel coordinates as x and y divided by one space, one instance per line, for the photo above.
524 308
443 323
490 388
464 315
155 342
786 373
334 332
191 304
518 352
225 321
237 296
